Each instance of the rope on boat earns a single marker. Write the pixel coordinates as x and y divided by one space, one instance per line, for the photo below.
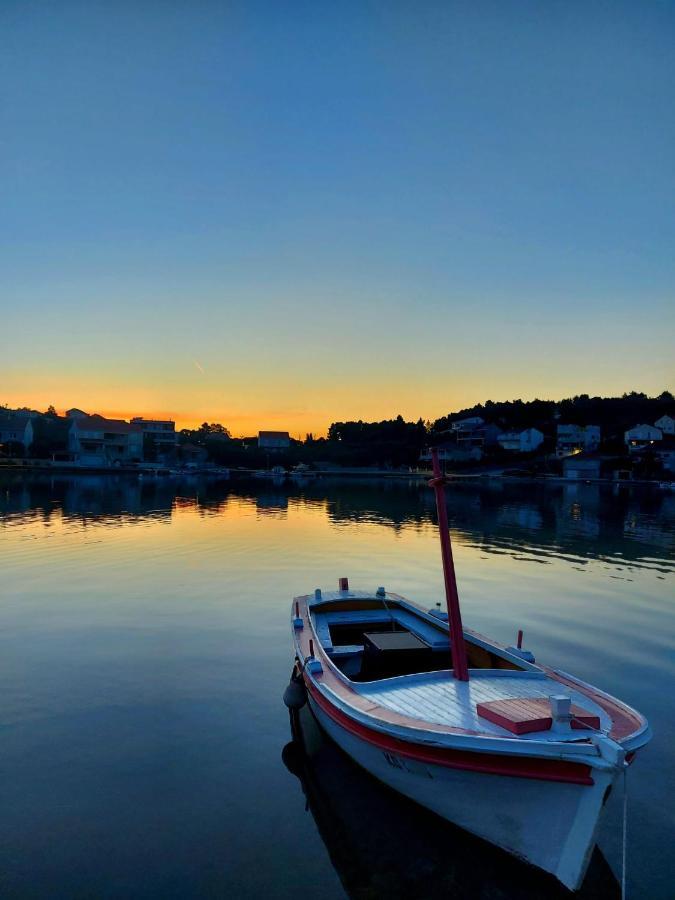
583 724
625 832
389 612
624 835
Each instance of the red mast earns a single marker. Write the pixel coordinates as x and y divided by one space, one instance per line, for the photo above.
459 667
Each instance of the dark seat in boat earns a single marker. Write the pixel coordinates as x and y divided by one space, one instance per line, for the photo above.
337 629
390 653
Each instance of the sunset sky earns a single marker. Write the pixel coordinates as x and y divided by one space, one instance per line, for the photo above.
277 215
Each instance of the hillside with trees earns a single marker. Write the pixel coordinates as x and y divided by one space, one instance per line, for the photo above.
612 414
391 443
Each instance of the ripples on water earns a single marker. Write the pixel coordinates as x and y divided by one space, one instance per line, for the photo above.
144 645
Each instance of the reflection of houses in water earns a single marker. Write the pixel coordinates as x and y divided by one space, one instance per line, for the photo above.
29 501
202 504
592 521
272 503
525 516
383 845
16 498
499 517
87 497
648 529
212 507
308 504
579 511
555 519
93 495
577 519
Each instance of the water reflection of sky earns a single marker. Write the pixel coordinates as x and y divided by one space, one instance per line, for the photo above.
146 623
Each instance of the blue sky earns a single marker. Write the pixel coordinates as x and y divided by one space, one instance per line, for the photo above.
295 213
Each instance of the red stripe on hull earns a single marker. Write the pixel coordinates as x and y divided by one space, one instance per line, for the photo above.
487 763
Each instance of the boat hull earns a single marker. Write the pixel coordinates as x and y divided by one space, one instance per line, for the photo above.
551 824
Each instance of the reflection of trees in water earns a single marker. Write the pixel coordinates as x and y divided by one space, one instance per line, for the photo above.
526 520
531 520
386 502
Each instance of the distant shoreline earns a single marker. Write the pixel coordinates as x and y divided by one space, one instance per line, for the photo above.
27 467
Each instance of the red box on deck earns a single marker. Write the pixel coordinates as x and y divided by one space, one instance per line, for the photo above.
521 715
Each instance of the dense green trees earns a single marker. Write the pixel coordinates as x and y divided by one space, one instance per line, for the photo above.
392 442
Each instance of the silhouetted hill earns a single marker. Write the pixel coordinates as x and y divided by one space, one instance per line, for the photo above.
613 414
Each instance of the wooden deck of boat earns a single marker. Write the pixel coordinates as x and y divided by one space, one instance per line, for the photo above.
438 699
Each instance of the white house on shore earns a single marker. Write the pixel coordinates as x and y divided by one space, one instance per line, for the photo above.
666 425
521 441
274 440
96 441
15 430
572 439
641 437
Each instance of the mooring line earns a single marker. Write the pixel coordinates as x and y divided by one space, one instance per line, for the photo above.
625 832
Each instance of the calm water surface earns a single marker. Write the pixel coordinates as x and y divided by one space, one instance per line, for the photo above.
144 647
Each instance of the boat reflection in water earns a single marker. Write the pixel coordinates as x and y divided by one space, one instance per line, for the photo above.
383 845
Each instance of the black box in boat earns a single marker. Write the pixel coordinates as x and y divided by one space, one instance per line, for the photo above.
390 653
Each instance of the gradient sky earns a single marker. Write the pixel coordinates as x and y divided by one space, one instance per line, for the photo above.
284 214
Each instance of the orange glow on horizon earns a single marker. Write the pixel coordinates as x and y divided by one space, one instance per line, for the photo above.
301 407
298 422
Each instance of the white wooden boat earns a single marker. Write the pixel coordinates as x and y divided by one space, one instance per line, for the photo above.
514 751
382 845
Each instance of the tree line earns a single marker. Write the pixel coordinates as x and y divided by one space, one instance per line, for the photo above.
397 442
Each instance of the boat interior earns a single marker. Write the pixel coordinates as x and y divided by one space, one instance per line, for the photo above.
373 640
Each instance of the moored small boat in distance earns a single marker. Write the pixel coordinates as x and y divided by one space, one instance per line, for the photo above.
276 472
518 753
301 473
